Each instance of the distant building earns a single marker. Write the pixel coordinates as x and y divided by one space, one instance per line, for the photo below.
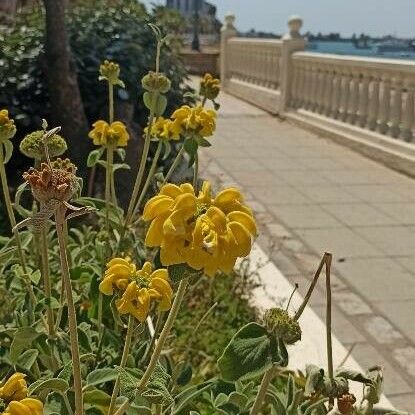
206 10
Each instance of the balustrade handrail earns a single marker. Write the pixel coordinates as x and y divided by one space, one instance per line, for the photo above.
255 41
396 65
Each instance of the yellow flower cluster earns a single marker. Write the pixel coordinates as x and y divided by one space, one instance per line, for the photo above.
137 287
204 232
196 121
7 127
14 394
209 86
114 134
166 129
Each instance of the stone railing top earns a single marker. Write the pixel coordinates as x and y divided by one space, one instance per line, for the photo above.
255 41
351 61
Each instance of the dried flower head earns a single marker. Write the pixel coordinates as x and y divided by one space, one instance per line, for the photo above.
110 71
279 323
7 127
114 134
33 146
345 403
156 82
53 182
209 87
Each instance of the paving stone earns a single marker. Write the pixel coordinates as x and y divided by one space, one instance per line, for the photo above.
279 231
403 402
350 303
406 357
382 330
394 381
403 213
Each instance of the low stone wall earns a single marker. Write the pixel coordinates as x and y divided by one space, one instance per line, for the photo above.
199 63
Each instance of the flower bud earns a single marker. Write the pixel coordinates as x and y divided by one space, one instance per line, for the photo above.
156 82
345 403
279 323
7 127
55 182
110 71
32 145
209 87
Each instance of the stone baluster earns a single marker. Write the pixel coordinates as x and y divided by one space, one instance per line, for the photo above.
335 102
314 87
321 88
385 99
227 31
328 91
301 85
408 119
306 84
353 104
345 95
364 100
374 98
396 110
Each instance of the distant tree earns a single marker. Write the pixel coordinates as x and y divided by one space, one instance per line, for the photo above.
67 109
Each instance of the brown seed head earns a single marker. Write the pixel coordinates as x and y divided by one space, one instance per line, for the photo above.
345 403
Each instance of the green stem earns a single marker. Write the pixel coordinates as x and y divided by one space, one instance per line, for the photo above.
195 172
111 102
149 177
110 158
9 208
328 326
173 167
46 280
140 172
161 341
153 339
127 344
73 326
262 391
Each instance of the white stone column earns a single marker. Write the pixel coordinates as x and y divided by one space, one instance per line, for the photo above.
409 115
228 30
291 42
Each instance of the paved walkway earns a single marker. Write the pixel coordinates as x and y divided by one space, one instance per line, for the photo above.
311 195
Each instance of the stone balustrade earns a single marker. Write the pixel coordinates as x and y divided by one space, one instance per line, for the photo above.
374 95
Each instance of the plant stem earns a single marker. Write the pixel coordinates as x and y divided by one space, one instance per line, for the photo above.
127 344
111 102
9 208
46 280
140 172
73 326
108 173
153 338
311 289
174 165
149 177
262 391
195 172
161 341
328 325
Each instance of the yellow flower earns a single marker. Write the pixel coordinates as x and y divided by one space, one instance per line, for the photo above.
27 406
110 71
209 86
117 275
15 388
114 134
166 129
196 121
204 232
138 287
7 127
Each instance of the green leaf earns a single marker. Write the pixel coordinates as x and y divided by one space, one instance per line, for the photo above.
54 384
190 146
128 384
190 395
161 105
352 375
185 375
97 397
22 339
148 101
8 151
6 254
24 186
204 143
27 358
35 277
156 391
94 156
66 372
121 153
121 166
101 376
248 354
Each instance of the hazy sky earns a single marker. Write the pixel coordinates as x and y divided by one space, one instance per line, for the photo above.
375 17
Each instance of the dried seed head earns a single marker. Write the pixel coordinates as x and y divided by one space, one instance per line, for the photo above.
156 82
53 182
279 323
32 145
345 403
